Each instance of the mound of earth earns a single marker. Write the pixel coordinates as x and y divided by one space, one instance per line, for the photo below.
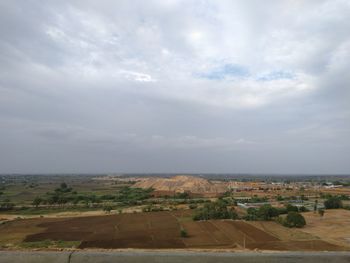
182 183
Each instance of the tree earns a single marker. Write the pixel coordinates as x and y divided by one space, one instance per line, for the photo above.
215 210
315 205
252 214
291 208
333 203
6 205
37 201
266 212
294 219
321 212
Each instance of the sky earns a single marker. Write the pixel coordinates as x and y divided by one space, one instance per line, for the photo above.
175 86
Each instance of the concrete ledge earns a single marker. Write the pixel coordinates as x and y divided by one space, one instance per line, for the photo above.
33 257
170 257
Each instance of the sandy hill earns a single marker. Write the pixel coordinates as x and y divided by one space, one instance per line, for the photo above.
182 183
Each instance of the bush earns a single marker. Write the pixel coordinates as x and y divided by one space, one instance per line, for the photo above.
333 203
303 209
193 206
108 208
183 233
294 219
291 208
252 214
282 210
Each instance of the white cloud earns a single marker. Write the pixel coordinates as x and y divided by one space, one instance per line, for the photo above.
288 37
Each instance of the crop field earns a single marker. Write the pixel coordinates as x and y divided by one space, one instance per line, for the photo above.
23 189
153 230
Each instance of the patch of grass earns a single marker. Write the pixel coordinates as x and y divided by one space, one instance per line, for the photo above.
50 244
45 211
185 219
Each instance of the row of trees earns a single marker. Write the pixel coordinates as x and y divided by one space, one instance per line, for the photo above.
64 194
267 212
215 210
220 210
6 205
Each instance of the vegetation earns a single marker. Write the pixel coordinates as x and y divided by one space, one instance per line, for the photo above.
152 208
293 219
50 244
193 206
341 197
107 208
183 195
256 199
24 210
303 209
66 195
131 196
291 208
37 201
265 212
215 210
6 205
315 205
183 233
321 212
333 202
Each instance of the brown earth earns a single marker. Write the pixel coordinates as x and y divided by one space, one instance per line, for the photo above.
333 227
155 230
182 183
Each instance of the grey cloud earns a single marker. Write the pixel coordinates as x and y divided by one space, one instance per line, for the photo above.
89 86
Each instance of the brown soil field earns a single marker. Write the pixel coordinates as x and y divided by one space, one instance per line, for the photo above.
333 227
155 230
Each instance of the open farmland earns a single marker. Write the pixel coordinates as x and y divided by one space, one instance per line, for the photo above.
154 230
334 226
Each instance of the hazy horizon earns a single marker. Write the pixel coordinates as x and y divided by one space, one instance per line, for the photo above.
242 87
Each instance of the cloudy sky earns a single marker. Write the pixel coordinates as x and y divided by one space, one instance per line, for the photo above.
175 86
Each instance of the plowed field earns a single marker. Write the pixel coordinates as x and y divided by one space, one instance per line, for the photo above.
156 230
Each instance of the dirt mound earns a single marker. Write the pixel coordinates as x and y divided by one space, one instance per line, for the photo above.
182 183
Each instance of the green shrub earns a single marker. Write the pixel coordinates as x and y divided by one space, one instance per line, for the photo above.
333 202
193 206
291 208
294 219
183 233
303 209
107 208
